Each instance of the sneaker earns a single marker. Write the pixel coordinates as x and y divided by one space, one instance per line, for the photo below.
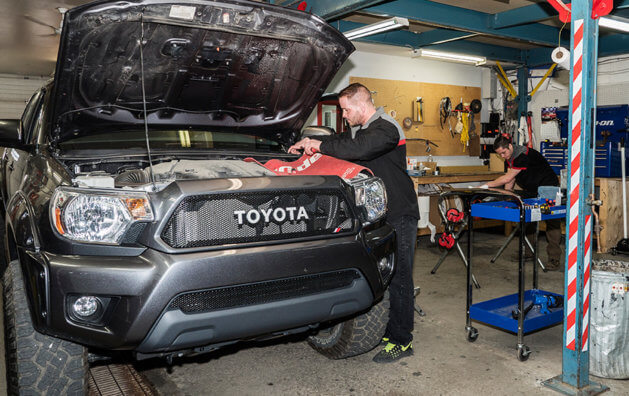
392 352
384 340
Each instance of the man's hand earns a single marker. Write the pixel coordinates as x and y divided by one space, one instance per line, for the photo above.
310 146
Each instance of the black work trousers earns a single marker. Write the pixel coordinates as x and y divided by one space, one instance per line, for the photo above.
401 290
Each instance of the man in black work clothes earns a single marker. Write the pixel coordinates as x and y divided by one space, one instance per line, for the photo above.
530 170
377 142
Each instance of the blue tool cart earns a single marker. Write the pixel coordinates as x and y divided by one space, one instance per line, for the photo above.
505 312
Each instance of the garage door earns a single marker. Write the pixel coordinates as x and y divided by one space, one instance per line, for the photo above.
15 91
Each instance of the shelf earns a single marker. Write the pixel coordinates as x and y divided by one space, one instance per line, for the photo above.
497 312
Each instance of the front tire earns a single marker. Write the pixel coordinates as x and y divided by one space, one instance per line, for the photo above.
37 363
355 336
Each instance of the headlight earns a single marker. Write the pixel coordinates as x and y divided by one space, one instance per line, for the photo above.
97 216
371 198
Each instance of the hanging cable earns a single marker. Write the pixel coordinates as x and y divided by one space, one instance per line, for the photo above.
146 124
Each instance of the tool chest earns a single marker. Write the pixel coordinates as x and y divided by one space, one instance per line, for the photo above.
607 160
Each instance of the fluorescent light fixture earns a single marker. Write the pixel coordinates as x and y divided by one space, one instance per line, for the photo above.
449 56
375 28
615 23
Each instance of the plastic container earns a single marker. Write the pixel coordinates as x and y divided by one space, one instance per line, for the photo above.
549 192
609 319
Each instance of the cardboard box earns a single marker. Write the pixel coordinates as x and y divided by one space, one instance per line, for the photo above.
496 163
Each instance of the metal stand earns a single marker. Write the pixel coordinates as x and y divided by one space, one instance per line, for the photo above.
528 243
472 333
418 309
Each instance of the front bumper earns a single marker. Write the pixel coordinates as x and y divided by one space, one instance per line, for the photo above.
141 289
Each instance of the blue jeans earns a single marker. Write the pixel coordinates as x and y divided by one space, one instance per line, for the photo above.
401 314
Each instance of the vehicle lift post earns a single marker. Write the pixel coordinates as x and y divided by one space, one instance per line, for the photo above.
574 379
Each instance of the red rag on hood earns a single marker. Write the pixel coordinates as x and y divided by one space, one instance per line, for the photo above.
316 164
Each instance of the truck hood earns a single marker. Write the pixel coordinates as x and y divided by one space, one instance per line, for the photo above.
239 66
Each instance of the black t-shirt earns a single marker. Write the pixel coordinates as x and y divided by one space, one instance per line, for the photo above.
534 169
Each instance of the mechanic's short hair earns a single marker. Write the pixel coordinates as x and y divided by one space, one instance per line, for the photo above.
502 141
356 89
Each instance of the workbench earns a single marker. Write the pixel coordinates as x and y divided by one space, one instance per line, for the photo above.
456 178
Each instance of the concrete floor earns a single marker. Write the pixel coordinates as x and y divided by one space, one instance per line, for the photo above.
444 361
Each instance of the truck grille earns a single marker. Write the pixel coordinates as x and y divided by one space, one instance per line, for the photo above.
217 219
262 292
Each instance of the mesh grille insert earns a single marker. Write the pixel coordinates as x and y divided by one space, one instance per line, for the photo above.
217 219
263 292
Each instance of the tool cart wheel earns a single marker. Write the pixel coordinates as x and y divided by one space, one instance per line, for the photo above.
523 353
472 334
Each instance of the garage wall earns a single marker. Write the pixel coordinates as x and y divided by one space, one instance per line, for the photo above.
612 88
15 91
395 63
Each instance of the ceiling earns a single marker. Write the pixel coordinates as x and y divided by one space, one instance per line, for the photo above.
510 30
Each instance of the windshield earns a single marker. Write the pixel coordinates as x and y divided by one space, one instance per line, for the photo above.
174 139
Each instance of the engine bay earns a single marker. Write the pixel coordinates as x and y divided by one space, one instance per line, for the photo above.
138 177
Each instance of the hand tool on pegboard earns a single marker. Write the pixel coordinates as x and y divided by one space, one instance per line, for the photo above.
529 127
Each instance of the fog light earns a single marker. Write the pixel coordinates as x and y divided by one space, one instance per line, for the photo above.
384 264
85 306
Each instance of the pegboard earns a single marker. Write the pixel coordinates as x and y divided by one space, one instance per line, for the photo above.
398 97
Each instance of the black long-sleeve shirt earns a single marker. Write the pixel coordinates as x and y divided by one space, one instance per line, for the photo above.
379 145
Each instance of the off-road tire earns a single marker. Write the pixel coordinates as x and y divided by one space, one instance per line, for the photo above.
37 364
355 336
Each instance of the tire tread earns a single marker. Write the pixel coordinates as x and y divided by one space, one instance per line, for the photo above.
37 363
355 336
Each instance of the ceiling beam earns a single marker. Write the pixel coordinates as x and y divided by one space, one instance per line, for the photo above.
440 36
614 44
523 15
437 14
538 57
491 52
332 9
404 38
534 13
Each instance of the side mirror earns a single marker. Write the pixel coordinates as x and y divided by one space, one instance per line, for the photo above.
10 133
314 130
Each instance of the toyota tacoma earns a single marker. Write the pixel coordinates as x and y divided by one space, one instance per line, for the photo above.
139 210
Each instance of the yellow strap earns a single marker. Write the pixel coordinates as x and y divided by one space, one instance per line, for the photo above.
504 75
513 94
539 84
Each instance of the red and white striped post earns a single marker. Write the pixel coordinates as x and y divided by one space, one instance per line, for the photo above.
576 359
575 176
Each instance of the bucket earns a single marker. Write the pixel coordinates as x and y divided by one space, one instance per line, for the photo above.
609 319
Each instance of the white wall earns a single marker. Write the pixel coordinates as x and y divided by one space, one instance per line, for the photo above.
395 63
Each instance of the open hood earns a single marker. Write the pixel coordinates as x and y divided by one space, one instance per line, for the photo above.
238 66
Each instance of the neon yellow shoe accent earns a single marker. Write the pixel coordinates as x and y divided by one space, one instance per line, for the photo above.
392 352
